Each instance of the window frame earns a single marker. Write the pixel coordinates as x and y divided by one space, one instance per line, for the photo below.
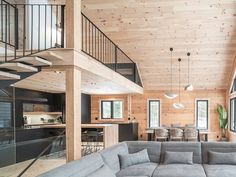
112 111
149 109
208 113
230 122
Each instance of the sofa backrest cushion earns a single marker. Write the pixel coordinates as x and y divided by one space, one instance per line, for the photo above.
194 147
225 158
153 149
134 159
178 158
110 156
216 147
79 168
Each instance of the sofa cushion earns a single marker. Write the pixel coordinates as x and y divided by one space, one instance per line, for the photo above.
194 147
222 158
136 176
216 147
134 159
104 171
110 156
153 149
81 168
178 158
144 169
179 170
220 170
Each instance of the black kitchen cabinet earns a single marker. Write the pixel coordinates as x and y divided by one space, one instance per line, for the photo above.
128 132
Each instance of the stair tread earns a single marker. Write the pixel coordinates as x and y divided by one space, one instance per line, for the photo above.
19 67
8 76
35 61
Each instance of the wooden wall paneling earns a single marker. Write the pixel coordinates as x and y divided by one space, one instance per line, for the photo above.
145 30
169 115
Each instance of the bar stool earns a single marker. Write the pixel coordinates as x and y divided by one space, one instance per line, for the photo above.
90 142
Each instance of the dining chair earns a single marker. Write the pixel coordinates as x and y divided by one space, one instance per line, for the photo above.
161 134
176 134
190 134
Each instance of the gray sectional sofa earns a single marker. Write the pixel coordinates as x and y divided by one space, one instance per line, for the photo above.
106 163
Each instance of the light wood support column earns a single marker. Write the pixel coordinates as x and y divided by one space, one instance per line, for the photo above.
73 114
73 24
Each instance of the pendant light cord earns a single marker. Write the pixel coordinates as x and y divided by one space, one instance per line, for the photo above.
171 74
179 78
171 66
188 54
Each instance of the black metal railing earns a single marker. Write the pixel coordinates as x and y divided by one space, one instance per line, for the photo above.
8 19
26 29
97 45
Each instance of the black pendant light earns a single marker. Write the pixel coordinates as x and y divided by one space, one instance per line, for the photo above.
171 94
188 87
179 105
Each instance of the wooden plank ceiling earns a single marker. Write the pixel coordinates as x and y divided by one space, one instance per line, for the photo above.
146 29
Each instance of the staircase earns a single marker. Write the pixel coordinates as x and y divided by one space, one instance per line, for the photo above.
25 30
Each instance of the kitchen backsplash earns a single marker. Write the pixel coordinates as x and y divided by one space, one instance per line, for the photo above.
39 119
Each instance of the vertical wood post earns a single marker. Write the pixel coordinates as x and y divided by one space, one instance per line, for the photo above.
73 114
73 24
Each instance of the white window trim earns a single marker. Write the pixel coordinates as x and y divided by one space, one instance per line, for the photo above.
209 116
110 99
153 99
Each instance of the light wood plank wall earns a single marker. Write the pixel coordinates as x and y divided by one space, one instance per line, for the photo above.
169 115
232 136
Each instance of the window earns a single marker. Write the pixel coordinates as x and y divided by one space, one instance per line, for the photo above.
111 109
233 89
5 114
202 114
154 113
233 114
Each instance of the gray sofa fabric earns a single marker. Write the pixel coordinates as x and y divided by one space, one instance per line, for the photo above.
106 163
110 155
78 168
144 169
220 170
180 170
194 147
153 148
133 159
216 147
104 171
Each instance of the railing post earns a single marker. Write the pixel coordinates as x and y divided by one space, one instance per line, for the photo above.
62 25
115 58
6 33
16 31
134 72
